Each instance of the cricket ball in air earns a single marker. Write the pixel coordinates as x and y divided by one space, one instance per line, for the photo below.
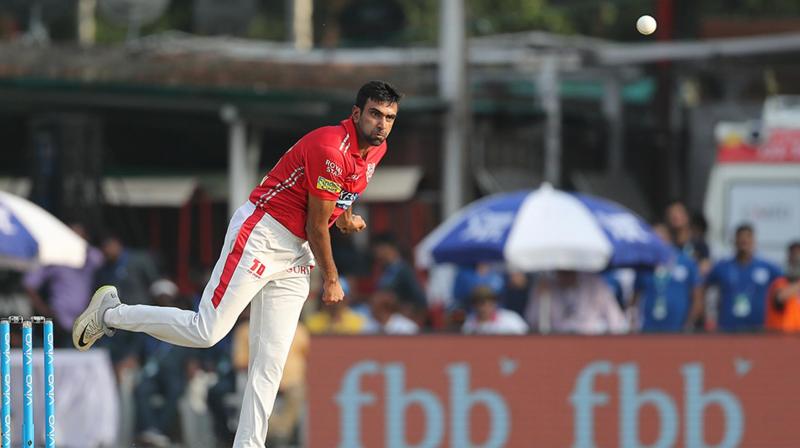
646 25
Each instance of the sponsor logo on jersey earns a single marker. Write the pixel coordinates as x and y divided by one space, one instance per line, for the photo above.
333 168
346 199
328 185
370 171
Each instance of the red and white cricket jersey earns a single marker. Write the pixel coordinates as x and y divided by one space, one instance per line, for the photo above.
325 162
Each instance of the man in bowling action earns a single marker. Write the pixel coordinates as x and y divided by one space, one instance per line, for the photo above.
272 242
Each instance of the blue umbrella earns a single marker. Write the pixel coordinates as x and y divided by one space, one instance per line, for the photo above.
30 236
544 229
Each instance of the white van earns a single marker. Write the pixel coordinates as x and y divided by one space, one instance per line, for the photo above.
756 180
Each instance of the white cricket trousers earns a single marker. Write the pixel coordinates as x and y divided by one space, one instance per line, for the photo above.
262 262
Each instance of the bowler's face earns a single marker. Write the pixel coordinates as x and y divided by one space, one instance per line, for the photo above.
375 121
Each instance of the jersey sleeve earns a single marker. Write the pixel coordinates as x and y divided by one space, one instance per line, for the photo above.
324 166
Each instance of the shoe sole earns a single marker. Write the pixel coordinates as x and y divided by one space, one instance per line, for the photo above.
94 304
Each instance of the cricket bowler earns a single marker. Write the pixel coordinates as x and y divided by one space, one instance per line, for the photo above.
272 242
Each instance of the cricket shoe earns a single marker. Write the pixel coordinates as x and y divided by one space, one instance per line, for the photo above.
89 326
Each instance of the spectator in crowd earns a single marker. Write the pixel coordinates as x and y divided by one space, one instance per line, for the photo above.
337 318
665 295
699 228
62 292
162 378
742 281
131 271
680 227
467 278
470 277
384 316
574 302
396 274
783 297
488 318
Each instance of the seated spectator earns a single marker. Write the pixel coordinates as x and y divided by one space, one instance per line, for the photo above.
162 379
337 318
396 274
742 281
384 316
470 277
783 297
574 302
488 318
132 272
666 295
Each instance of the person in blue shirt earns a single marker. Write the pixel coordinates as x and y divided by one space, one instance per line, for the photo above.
470 277
743 281
666 294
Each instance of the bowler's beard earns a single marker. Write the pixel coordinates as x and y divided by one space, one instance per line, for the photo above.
367 138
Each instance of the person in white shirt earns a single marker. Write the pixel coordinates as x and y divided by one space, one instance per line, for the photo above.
383 315
574 302
488 318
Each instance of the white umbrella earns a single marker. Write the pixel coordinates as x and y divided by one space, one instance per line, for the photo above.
544 229
30 236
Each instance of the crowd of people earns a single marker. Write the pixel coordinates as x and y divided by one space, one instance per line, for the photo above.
386 295
691 291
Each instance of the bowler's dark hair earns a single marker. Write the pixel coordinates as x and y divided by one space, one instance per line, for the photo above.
379 91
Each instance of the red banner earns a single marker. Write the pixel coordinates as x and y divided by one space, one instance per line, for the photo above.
458 391
781 146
